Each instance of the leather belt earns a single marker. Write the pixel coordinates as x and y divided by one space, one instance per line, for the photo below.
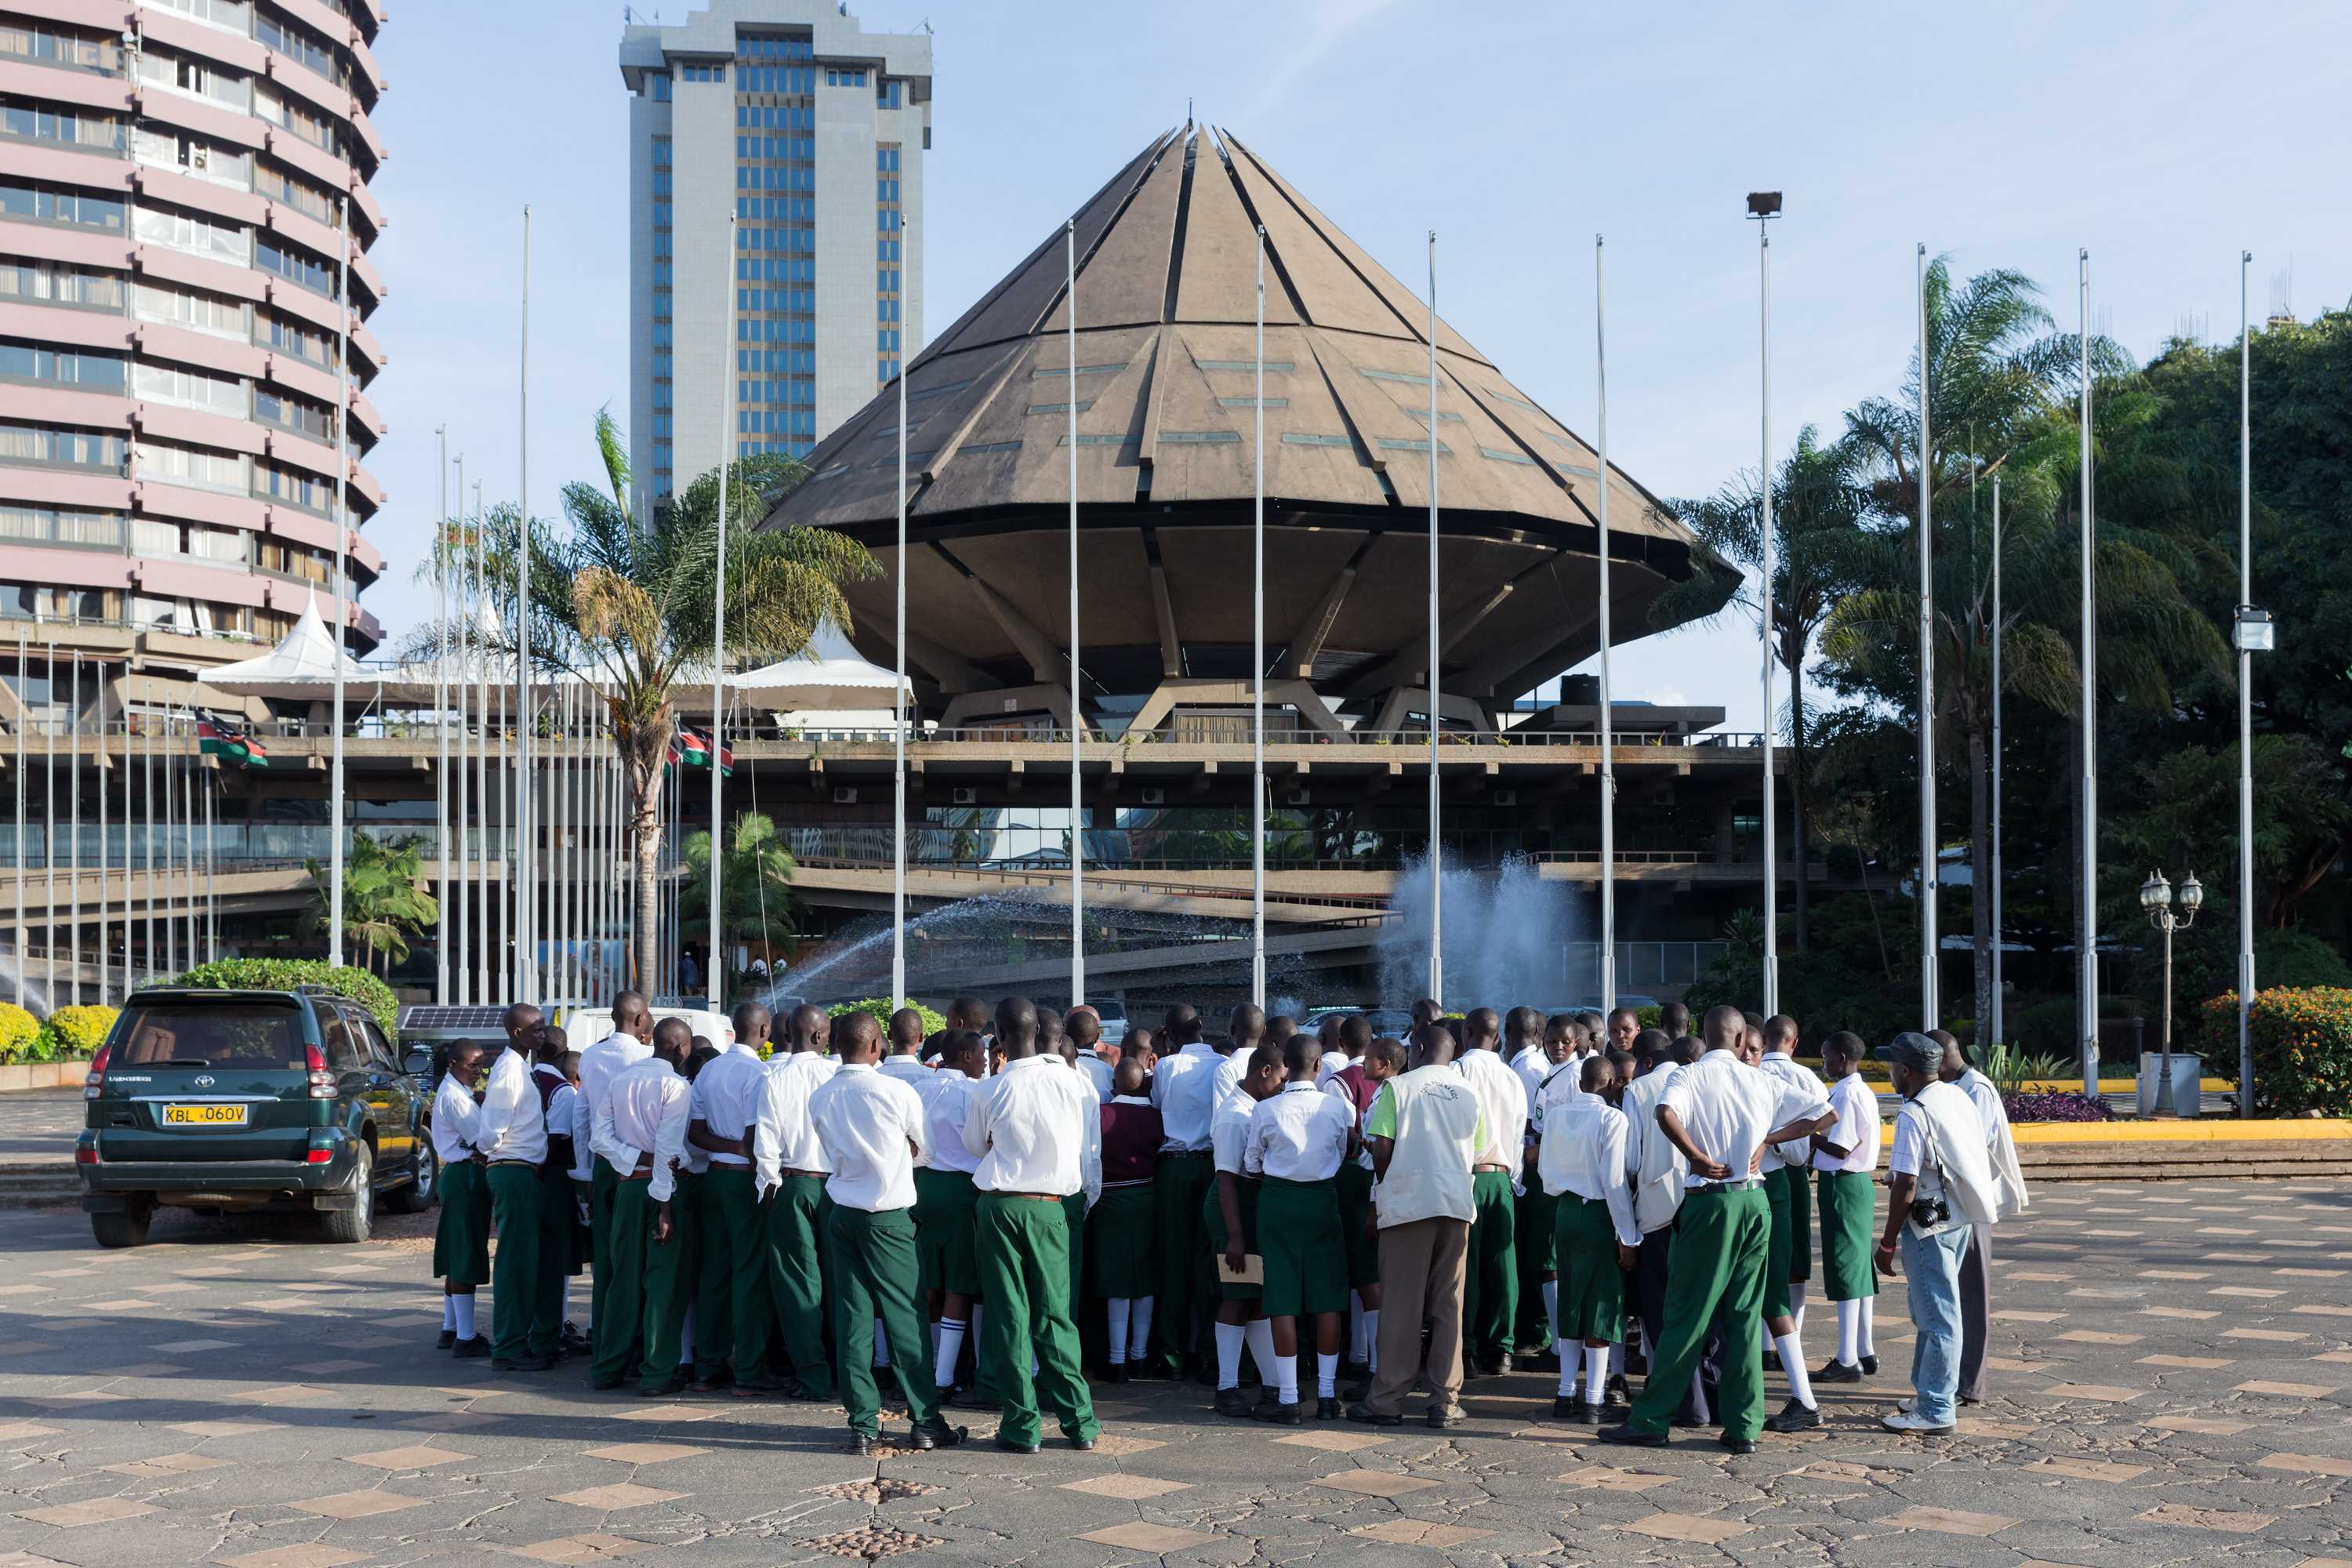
810 1175
1486 1169
1747 1185
1035 1197
529 1164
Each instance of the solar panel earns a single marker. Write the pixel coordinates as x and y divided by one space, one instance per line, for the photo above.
433 1016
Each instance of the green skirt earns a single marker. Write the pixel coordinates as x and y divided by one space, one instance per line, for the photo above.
1212 1217
1849 1221
1298 1238
1591 1286
1777 1246
1123 1243
1800 1226
947 1251
1363 1248
461 1241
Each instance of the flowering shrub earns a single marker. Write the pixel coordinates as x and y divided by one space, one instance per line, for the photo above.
71 1033
2055 1105
882 1007
2303 1046
18 1030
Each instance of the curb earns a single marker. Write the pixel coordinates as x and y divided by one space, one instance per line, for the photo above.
18 1076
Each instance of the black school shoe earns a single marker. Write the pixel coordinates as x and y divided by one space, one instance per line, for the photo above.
1232 1402
1839 1372
1614 1406
1794 1417
971 1399
1365 1414
936 1435
1566 1407
1736 1445
861 1445
1326 1408
1870 1366
1632 1436
1441 1416
449 1337
1281 1414
1010 1446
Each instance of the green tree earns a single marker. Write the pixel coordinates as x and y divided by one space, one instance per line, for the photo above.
385 898
755 885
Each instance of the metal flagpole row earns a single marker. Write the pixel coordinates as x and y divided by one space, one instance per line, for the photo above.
1608 714
342 592
461 635
2244 639
1764 623
104 760
714 942
2088 948
73 833
1077 697
899 708
23 868
147 789
49 824
1436 725
1996 1033
487 965
526 925
441 716
1257 663
1930 1006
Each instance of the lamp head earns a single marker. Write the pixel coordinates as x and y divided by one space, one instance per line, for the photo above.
2192 893
1763 204
2156 893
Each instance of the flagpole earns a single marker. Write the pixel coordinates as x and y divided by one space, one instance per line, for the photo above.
1436 850
2087 953
49 824
343 539
527 976
492 965
99 756
2245 695
1608 714
1997 1035
24 870
460 598
73 832
1764 625
898 730
1257 667
716 941
1077 722
441 711
1930 1005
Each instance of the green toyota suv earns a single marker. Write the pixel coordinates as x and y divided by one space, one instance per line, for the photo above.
250 1100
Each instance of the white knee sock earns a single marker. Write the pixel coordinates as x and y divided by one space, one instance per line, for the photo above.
1139 1330
1552 1309
1116 1309
948 1351
1571 1362
1372 1338
686 1338
449 1312
1698 1395
1356 1333
1596 1372
1327 1375
1797 1302
977 1338
881 1345
464 1320
1229 1356
1258 1334
1285 1377
1869 1322
1792 1361
1849 1317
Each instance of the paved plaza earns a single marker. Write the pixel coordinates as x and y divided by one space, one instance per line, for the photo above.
2173 1384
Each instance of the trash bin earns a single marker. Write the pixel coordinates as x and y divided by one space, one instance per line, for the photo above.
2188 1071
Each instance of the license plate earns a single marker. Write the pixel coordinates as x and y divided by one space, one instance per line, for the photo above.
203 1115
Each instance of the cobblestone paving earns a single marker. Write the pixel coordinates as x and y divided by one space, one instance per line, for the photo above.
2173 1384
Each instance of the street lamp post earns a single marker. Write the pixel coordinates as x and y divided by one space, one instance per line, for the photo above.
2156 898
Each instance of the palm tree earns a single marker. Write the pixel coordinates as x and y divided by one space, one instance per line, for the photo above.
384 898
629 607
2004 384
1819 501
756 894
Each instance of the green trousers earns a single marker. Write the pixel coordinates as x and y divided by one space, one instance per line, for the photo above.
602 1180
1781 1241
1490 1296
514 1267
1535 1224
731 1303
1024 1269
795 1246
555 1225
1187 1286
647 1297
1716 1274
873 1276
1074 1215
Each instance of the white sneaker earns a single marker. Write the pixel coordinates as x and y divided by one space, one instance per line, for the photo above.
1902 1405
1907 1420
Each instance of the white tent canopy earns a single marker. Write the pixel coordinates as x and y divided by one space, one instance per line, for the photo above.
828 678
301 669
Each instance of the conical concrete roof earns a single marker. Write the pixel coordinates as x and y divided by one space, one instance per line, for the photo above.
1166 301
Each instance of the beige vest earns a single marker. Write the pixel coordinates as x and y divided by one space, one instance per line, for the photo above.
1436 1132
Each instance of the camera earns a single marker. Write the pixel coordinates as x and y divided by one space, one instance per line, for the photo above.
1929 1213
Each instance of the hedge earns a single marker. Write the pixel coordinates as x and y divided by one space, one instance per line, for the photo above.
73 1033
882 1007
19 1032
2301 1040
285 973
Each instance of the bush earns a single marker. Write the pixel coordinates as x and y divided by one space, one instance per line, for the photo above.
1649 1017
2056 1106
285 973
2287 959
73 1033
19 1032
882 1007
2302 1039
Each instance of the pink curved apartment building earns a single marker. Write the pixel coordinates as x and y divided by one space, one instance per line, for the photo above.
172 338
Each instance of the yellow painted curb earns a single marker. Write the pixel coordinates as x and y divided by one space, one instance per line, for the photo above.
2217 1131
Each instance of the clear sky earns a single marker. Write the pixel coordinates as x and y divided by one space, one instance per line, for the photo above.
2164 136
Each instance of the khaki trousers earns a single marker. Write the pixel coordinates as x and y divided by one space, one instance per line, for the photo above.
1423 1266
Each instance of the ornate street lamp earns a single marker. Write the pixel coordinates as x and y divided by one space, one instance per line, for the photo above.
2156 898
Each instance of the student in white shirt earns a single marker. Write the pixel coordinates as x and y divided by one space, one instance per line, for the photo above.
1789 1256
1959 1069
627 1045
1330 1047
1244 1032
1230 1214
1656 1169
640 1136
1583 1164
1720 1113
1298 1140
790 1167
872 1127
514 1142
731 1307
563 1240
1031 1128
461 1236
1843 1159
947 1209
1183 1087
1491 1296
1534 1221
904 1059
1083 1030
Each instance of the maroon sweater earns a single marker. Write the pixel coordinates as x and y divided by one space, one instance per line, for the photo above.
1132 1136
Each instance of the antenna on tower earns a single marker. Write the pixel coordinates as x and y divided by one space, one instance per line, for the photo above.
1188 111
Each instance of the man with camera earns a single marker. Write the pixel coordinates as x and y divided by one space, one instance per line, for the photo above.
1939 1185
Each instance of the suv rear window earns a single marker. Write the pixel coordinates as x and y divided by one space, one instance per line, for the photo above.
1107 1011
245 1034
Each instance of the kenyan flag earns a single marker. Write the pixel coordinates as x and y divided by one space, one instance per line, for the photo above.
216 737
692 748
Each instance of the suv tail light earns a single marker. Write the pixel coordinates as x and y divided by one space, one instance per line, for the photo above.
94 1084
322 1082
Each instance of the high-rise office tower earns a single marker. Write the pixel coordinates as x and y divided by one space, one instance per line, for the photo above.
172 328
810 132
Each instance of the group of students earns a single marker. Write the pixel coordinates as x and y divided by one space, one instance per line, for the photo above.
966 1213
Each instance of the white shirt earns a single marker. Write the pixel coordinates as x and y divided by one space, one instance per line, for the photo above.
1987 1099
645 1111
1943 1113
1654 1164
1503 1099
1232 1068
726 1097
1298 1135
2000 1144
456 1122
1533 1067
1183 1087
871 1125
606 1061
513 1124
567 1113
1229 1133
1330 1065
1727 1107
1856 1104
1098 1075
785 1139
1584 1156
1036 1128
1782 1066
946 1106
908 1069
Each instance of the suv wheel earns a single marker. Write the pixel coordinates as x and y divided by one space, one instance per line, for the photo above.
353 1224
126 1227
424 1176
